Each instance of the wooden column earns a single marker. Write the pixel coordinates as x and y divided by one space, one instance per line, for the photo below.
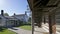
52 24
32 20
32 25
40 20
44 19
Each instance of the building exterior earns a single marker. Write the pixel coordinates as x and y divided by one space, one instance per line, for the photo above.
10 21
22 17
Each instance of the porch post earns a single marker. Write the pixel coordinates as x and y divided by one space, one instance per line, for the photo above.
32 20
52 23
44 19
40 22
40 19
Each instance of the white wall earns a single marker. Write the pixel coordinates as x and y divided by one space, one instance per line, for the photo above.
22 18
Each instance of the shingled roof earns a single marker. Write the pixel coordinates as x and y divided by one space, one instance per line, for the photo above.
20 15
10 17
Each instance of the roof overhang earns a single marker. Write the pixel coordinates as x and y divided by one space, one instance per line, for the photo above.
42 4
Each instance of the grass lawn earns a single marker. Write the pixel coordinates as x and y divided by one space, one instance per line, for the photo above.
7 32
26 27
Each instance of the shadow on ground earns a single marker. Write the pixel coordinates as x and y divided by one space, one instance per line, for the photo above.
2 29
14 28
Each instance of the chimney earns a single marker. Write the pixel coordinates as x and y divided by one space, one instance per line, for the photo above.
14 14
2 12
25 13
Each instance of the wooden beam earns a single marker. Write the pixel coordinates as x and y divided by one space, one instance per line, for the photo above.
45 9
30 3
37 2
53 2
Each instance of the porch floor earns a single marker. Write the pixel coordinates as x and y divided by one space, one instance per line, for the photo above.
45 29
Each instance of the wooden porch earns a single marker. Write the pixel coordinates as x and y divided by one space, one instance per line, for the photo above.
42 9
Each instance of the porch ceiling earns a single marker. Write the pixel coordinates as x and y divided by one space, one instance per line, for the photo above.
40 4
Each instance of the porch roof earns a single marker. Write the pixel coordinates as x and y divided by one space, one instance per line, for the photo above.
43 6
40 4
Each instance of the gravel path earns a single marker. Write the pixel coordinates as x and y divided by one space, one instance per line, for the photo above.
20 31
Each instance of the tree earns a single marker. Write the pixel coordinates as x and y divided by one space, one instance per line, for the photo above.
29 11
6 14
29 19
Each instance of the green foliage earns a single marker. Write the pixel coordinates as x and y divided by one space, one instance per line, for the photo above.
26 27
5 31
29 19
6 14
29 23
21 23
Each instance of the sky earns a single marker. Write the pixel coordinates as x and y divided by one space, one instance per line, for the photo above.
13 6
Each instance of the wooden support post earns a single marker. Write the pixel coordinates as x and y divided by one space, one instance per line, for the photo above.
52 24
44 19
40 20
32 20
32 26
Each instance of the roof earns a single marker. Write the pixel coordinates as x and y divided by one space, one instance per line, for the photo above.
40 3
10 17
20 15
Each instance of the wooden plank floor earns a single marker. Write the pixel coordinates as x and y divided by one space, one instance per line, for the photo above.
45 29
40 30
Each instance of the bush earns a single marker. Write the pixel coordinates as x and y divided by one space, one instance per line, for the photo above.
2 28
21 22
